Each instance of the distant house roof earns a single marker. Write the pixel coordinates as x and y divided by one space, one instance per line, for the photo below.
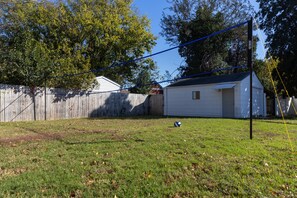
106 85
155 88
107 79
211 79
155 83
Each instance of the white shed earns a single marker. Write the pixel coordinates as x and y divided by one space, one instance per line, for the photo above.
215 96
106 85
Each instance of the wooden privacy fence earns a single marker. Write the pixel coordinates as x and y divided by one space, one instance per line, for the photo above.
156 104
18 103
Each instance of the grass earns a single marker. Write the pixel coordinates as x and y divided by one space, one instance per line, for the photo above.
141 157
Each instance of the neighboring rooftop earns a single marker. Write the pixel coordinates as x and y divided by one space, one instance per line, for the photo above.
108 80
210 79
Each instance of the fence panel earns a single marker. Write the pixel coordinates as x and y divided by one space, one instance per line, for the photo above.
156 105
288 106
18 104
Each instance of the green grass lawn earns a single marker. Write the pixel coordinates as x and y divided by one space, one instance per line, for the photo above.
148 157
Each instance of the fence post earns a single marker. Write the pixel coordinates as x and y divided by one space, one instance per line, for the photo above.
45 99
32 90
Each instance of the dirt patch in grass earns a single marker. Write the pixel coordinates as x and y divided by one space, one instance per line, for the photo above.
39 136
11 172
29 138
269 134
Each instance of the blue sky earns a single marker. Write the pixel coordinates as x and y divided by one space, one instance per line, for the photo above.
170 60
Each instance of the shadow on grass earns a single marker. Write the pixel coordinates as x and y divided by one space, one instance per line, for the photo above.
91 142
100 142
114 138
289 121
148 117
152 117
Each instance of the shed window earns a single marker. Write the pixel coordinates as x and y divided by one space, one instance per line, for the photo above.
196 95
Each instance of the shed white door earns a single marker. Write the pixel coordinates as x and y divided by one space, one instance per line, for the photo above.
228 103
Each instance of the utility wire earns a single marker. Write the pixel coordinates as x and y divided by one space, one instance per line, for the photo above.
154 54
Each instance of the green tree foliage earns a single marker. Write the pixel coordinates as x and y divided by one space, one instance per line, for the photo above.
279 21
144 77
52 38
264 69
190 19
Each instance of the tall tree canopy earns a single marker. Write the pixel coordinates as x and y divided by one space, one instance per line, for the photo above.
144 77
52 38
279 21
192 19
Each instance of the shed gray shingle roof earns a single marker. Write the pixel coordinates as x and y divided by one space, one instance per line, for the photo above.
211 79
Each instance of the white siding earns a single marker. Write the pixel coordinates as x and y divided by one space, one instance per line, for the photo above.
106 85
179 102
244 98
237 104
258 98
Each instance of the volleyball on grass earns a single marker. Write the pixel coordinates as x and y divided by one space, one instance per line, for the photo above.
177 124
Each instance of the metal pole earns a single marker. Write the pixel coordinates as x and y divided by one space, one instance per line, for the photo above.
45 99
250 65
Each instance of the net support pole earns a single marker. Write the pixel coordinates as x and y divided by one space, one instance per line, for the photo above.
250 66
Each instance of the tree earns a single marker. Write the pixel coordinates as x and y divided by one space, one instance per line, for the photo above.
47 38
192 19
143 79
264 70
278 19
